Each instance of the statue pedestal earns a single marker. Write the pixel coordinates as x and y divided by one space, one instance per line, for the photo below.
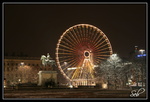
45 76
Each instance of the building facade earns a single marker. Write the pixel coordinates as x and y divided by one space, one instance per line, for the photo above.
137 73
23 70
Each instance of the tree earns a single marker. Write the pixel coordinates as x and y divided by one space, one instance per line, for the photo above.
110 70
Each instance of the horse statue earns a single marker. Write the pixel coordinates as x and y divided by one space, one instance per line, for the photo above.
43 58
47 60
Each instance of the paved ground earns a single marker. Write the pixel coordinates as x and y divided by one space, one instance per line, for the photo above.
68 93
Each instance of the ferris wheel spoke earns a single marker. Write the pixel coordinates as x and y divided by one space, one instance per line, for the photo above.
98 48
95 33
97 61
104 49
81 28
103 53
75 36
98 45
66 50
81 34
89 32
67 56
71 44
75 29
70 38
84 34
66 60
96 36
104 45
86 31
103 42
67 47
59 53
73 62
98 39
69 66
97 42
72 35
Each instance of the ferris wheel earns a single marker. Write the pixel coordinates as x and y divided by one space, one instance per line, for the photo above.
80 49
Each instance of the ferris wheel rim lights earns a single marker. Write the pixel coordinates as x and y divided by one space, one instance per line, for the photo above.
79 26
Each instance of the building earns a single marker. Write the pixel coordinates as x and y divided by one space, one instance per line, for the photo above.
137 53
138 68
23 70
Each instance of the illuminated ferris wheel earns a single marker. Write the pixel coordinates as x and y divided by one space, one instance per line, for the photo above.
80 49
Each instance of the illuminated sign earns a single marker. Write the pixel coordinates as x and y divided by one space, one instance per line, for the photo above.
141 55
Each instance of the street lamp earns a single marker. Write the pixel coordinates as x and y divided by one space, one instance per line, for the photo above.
113 56
22 63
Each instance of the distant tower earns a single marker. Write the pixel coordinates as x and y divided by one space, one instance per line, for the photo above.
136 49
134 53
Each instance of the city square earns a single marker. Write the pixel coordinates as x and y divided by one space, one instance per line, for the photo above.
49 55
69 93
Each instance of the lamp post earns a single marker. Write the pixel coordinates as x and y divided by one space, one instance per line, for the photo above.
21 71
114 58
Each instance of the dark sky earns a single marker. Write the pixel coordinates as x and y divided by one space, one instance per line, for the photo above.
36 29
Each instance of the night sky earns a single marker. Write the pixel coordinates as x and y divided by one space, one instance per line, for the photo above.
36 29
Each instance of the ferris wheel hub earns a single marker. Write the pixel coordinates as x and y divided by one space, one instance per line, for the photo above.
86 53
